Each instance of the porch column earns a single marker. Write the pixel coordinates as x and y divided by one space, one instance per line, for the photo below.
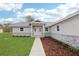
43 30
31 29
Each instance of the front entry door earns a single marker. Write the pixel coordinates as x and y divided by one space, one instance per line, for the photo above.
37 31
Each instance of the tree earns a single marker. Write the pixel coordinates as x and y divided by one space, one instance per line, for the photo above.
29 18
1 26
7 27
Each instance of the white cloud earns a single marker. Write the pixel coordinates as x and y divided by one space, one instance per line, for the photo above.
8 19
30 10
11 20
10 6
50 14
37 14
2 20
42 10
66 9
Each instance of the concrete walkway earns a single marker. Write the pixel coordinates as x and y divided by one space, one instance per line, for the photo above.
37 49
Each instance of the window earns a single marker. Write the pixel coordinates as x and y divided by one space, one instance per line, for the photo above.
21 29
46 29
57 28
29 24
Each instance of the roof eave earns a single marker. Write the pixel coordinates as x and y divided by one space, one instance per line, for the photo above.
69 16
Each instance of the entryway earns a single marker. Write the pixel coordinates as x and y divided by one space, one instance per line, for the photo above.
37 31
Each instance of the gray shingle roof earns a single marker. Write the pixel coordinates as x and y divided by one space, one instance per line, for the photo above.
47 24
26 24
21 24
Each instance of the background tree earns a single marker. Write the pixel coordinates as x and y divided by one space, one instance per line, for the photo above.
1 26
7 27
29 18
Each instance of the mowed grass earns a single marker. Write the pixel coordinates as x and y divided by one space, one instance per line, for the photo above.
15 46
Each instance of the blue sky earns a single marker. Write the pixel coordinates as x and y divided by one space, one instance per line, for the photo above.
10 14
43 11
7 14
41 5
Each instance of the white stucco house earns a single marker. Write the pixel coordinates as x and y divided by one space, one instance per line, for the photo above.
65 30
34 28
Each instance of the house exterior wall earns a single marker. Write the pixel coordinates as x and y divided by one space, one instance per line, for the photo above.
26 31
47 33
68 31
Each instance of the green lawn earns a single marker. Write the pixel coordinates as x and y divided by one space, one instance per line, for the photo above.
15 46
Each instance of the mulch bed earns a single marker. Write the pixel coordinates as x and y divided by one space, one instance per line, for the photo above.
53 47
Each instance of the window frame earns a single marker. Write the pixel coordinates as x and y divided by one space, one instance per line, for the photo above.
21 29
58 28
46 29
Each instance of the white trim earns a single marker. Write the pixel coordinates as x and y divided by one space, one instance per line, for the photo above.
43 30
31 30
